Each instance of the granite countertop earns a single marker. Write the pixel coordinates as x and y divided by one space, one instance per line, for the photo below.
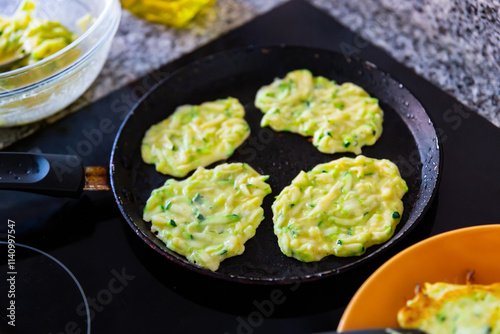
452 44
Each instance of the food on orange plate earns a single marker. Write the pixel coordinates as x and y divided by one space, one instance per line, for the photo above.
454 308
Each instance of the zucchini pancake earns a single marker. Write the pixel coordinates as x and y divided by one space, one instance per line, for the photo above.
195 135
209 216
340 118
444 308
339 208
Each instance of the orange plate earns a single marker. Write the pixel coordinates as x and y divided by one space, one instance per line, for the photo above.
443 258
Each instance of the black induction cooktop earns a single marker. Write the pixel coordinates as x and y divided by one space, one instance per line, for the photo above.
71 248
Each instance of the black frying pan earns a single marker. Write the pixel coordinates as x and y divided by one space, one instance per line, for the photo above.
409 140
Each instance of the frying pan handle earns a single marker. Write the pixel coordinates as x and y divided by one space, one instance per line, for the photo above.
48 174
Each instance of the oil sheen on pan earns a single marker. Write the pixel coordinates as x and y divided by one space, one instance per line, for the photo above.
409 142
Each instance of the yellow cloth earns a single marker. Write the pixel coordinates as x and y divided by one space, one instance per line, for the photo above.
174 13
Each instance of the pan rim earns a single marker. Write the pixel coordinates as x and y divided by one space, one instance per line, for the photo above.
273 280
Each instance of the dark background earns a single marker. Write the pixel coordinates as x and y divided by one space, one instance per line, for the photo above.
132 289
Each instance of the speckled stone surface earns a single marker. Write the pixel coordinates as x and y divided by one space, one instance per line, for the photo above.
132 55
453 44
140 47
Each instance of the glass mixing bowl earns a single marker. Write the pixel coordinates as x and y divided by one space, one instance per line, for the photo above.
34 92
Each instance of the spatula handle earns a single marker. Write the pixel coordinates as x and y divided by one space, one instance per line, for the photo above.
48 174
